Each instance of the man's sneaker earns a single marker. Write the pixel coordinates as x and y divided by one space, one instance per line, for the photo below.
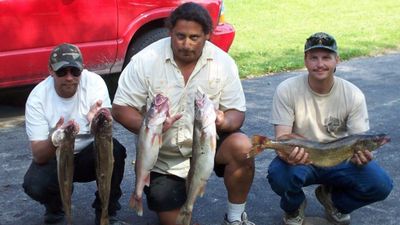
297 217
52 215
244 221
323 194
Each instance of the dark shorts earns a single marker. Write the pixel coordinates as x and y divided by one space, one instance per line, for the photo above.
168 192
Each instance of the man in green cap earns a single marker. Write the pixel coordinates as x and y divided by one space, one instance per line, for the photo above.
322 107
70 93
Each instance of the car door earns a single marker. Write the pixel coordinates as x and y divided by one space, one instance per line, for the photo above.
31 28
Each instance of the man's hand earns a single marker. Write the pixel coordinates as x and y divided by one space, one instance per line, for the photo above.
297 157
170 121
93 110
58 134
59 123
361 158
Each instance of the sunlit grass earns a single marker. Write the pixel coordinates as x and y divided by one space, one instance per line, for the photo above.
270 35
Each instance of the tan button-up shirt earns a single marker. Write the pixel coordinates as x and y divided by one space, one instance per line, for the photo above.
154 71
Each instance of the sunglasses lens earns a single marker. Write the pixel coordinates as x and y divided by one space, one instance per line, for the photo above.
326 41
64 71
75 72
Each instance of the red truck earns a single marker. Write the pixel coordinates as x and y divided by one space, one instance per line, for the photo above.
108 32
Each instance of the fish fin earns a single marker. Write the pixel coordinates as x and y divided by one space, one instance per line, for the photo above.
136 204
159 139
147 180
255 150
132 201
202 190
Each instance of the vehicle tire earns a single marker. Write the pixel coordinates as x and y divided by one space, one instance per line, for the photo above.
144 40
140 43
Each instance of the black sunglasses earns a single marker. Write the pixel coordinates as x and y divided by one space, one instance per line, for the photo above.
325 41
64 71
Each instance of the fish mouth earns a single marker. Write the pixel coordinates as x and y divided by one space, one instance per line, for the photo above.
385 140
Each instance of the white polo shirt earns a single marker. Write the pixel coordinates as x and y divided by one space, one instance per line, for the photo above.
153 71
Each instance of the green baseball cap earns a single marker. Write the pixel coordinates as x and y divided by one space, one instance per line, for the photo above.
66 55
321 40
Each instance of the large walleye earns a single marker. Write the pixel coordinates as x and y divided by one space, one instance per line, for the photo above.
322 154
202 161
64 138
101 128
147 148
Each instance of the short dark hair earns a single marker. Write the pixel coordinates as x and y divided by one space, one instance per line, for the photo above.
192 12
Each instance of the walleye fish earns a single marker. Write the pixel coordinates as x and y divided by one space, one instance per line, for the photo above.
322 154
147 148
101 128
64 138
202 161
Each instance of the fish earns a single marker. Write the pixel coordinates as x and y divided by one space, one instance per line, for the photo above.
326 154
148 147
65 137
203 153
101 128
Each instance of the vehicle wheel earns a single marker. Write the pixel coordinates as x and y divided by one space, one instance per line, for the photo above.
140 43
144 40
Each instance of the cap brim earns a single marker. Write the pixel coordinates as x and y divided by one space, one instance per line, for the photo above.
320 46
63 64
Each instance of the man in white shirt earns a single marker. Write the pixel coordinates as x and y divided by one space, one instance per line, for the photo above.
70 93
321 107
176 66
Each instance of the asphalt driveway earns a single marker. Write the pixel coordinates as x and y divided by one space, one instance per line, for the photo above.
378 77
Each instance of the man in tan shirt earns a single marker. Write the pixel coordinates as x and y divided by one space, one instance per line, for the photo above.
322 107
176 66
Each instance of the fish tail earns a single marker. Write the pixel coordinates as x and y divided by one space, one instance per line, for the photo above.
255 150
259 143
184 217
259 140
104 220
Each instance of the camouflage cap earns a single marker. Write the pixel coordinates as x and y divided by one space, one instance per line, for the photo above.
66 55
321 40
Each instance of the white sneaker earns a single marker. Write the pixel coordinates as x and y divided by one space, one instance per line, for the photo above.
296 218
324 196
244 221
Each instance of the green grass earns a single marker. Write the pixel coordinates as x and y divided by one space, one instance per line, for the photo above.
270 35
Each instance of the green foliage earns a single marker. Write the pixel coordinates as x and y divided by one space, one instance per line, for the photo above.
270 34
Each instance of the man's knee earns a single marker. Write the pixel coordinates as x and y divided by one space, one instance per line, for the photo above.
378 190
238 145
283 179
35 189
40 181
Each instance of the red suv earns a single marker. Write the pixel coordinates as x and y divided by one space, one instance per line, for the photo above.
108 33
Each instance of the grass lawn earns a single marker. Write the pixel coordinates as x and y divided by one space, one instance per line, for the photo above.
270 34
